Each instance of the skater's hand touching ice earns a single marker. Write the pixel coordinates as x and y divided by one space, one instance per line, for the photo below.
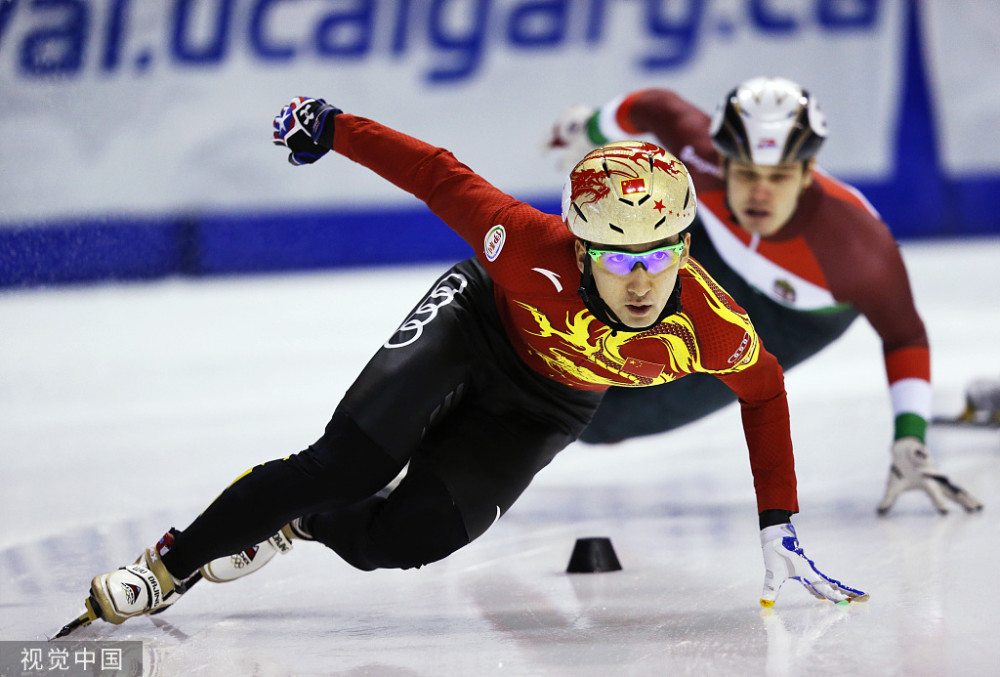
784 559
913 468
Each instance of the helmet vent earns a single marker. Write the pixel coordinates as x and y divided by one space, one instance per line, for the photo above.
579 212
615 228
687 198
660 222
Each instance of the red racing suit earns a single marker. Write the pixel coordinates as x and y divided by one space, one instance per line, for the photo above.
530 257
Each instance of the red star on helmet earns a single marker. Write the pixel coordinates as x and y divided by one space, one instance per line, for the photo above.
659 206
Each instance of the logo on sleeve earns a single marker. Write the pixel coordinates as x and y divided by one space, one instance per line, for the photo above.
735 357
553 277
493 242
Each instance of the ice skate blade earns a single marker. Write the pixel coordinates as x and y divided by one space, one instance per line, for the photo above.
964 422
88 617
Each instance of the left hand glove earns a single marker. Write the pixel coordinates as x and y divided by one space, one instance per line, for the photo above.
913 468
305 127
569 136
784 559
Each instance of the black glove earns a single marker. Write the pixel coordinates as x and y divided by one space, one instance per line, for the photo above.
305 127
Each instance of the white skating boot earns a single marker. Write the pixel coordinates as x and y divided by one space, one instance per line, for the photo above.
140 588
146 587
245 562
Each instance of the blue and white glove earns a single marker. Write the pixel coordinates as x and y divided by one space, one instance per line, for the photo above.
913 468
305 127
784 560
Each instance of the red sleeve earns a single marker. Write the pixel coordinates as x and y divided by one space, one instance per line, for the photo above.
764 409
862 264
733 352
673 121
465 201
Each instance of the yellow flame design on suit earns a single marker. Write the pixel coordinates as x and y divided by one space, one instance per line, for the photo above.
576 349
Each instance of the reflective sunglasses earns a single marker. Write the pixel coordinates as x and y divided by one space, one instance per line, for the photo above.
621 263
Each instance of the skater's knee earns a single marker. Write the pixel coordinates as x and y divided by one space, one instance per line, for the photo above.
416 525
412 549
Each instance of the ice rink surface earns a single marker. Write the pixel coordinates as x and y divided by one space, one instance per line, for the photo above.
124 409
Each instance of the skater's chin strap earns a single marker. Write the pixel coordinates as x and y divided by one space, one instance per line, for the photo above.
596 305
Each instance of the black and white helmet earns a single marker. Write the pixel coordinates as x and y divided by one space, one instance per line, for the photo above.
768 121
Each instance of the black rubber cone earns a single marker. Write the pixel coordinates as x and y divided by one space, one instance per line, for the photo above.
593 555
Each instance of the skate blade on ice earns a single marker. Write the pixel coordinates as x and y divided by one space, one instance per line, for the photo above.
85 619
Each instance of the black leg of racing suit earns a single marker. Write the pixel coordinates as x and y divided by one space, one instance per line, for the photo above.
447 394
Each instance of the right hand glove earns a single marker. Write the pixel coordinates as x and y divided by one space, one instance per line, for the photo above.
305 127
913 468
784 559
570 137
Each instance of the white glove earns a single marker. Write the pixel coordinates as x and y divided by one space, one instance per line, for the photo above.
913 468
569 136
784 559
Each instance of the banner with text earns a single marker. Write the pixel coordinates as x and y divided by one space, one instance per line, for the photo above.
152 107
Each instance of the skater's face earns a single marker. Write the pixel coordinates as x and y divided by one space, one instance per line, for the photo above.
762 197
638 296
